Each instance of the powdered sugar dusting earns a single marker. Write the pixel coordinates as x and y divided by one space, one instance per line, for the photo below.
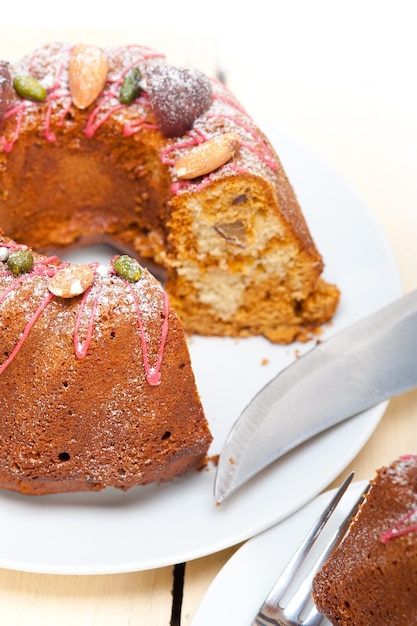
399 472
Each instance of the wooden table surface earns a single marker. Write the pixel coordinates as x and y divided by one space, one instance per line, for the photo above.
349 95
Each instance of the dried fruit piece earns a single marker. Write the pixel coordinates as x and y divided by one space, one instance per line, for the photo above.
178 97
29 87
20 261
5 88
71 281
87 74
234 232
130 88
127 268
207 157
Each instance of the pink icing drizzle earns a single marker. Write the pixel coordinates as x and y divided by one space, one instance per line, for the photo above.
26 331
49 134
401 527
81 350
193 139
41 268
265 154
93 124
153 374
18 111
131 128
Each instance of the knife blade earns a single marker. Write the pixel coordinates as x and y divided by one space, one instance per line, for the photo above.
371 361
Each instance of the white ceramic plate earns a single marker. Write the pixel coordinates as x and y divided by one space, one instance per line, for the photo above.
241 586
149 527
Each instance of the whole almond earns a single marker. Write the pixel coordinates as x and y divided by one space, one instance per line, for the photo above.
87 74
207 157
71 281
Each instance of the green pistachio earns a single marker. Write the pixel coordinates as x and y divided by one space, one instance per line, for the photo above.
130 88
20 261
28 87
128 268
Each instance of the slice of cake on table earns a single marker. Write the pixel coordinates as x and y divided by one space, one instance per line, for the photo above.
371 579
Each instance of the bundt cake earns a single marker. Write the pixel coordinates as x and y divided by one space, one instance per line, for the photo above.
96 385
117 145
371 578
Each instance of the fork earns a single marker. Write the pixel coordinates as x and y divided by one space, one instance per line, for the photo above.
275 611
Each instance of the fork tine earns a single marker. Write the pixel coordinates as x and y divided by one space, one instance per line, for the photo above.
303 593
271 612
302 551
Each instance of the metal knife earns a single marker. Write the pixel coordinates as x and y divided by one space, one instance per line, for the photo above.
363 365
